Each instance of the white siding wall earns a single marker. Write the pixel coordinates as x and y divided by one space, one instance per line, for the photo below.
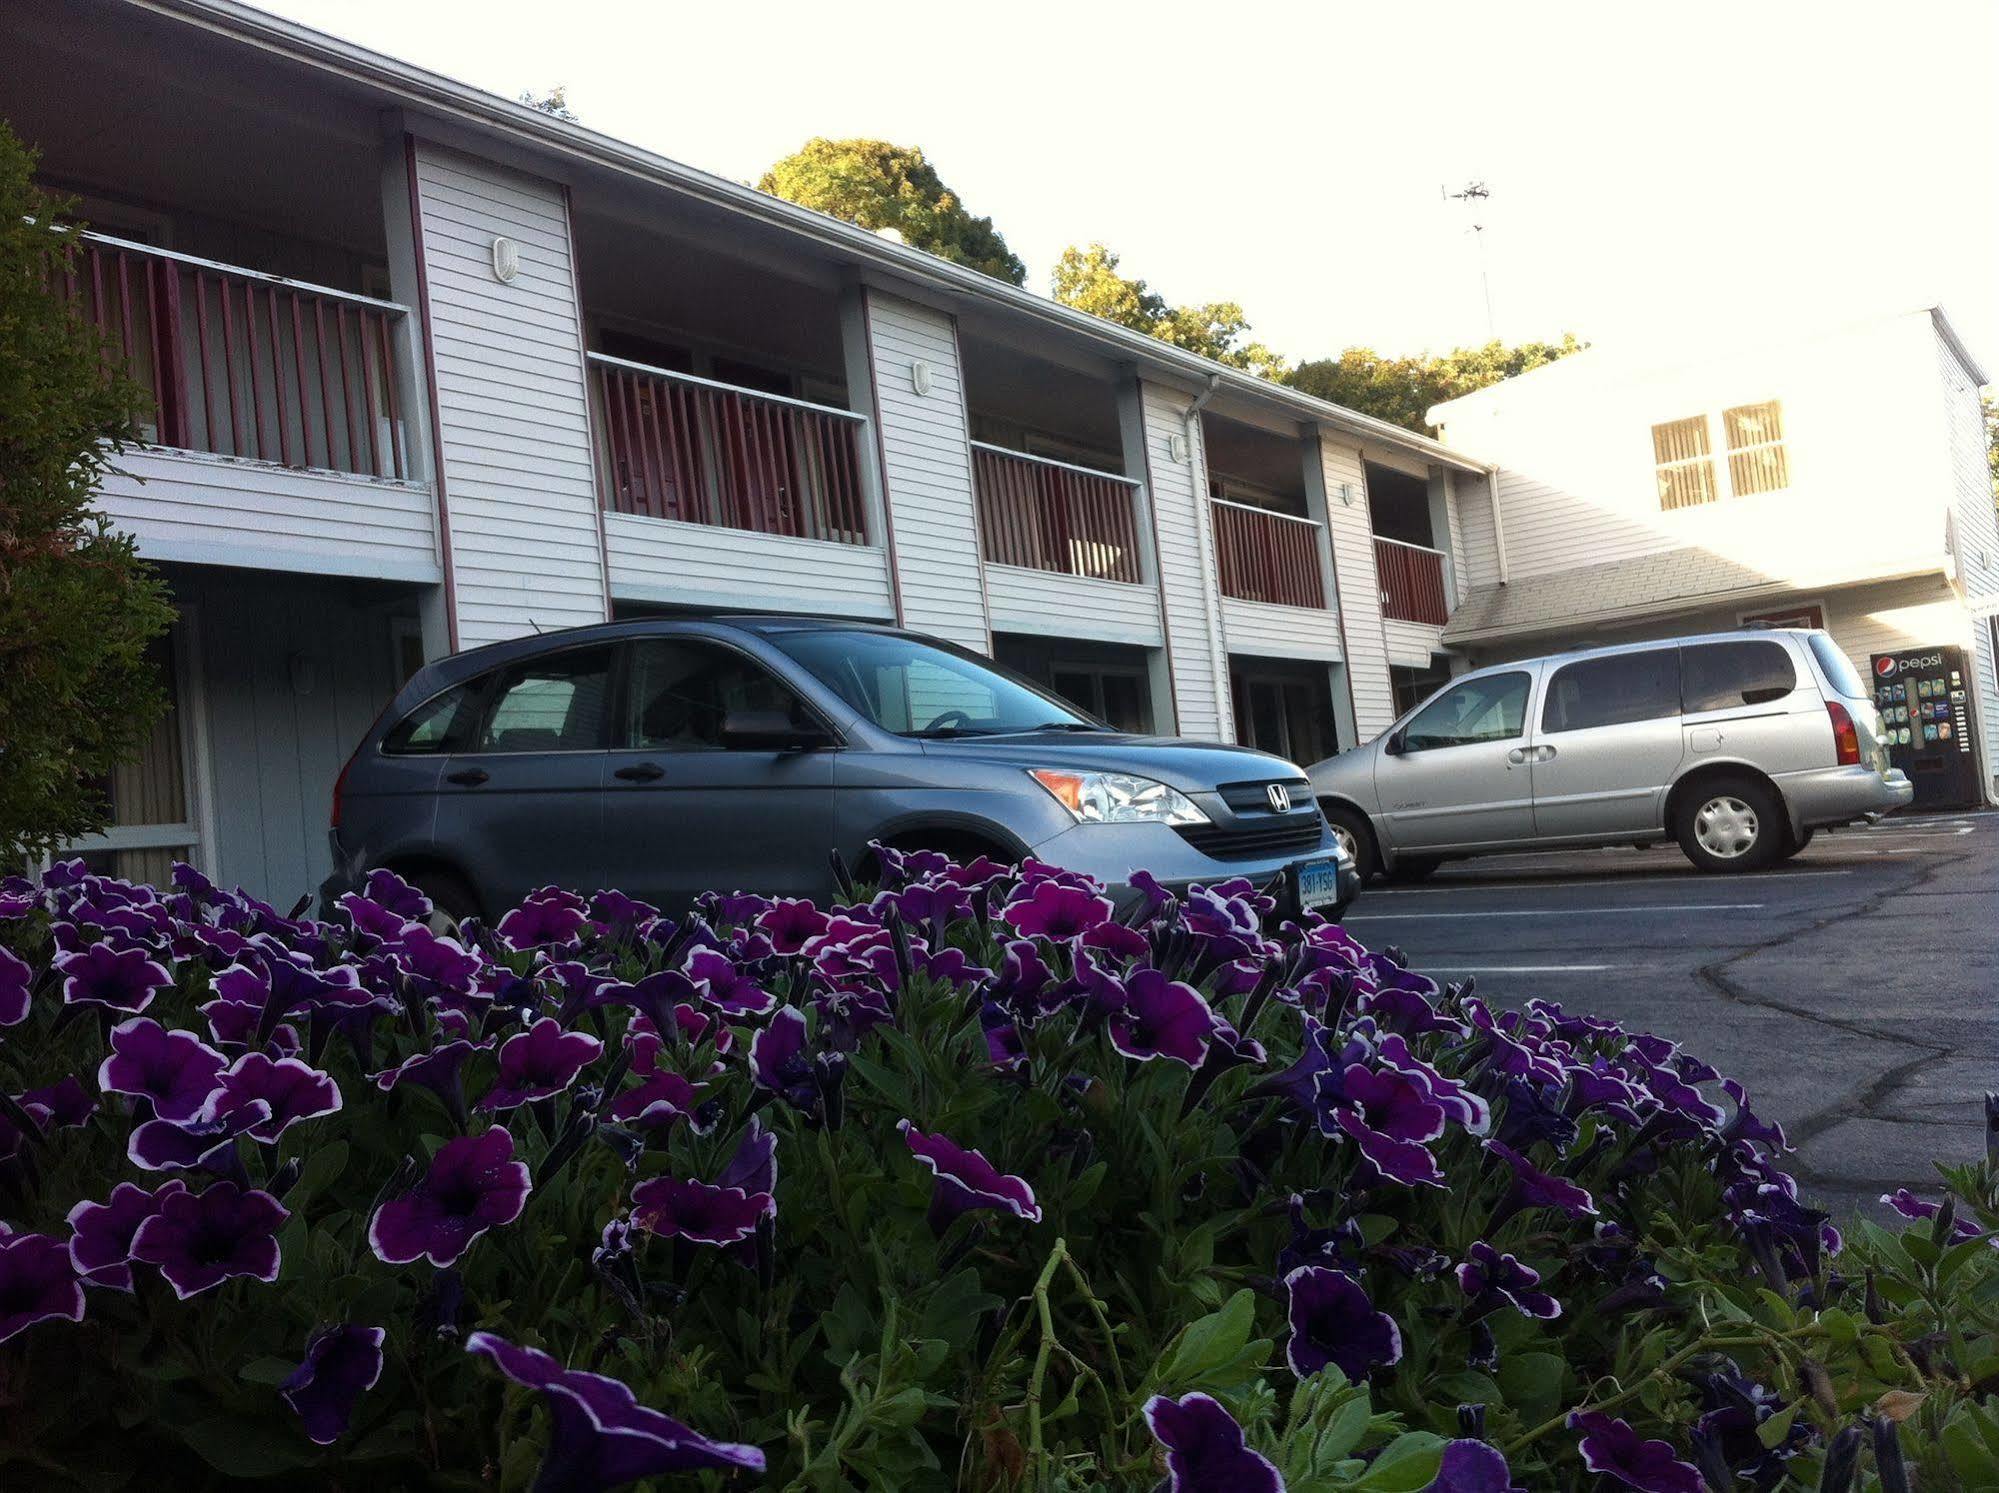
927 471
1976 518
1045 604
1192 611
1579 485
519 486
1261 630
662 561
1411 643
220 510
1351 530
1478 555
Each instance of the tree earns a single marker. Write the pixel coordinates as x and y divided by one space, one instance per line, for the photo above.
77 606
1991 408
883 186
1089 280
553 101
1401 390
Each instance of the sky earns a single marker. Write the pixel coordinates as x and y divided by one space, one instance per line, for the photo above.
1652 168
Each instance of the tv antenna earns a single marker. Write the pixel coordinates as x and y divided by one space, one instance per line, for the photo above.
1471 194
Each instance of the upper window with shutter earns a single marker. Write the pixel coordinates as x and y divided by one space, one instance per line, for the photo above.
1755 435
1685 462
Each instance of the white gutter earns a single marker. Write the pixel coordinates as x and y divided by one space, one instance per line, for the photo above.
1498 521
546 134
1211 586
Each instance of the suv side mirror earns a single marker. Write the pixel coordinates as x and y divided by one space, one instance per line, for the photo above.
1396 744
769 731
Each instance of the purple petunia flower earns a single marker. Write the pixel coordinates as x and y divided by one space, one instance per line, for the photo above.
1205 1452
198 1144
37 1283
16 979
699 1212
548 919
100 1245
1489 1278
124 980
1052 910
1333 1321
754 1165
1920 1210
473 1184
600 1436
176 1070
1162 1018
726 987
341 1364
1611 1448
540 1063
778 1060
200 1239
791 924
966 1181
1534 1188
1390 1115
1473 1467
290 1089
66 1103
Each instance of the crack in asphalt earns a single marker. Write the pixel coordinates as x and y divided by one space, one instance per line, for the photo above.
1863 1101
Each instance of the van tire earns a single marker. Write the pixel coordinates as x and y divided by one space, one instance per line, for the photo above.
1414 867
451 900
1731 824
1794 843
1351 828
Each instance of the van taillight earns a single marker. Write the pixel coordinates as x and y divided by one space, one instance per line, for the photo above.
1845 737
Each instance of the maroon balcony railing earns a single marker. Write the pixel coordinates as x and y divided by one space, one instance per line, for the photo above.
1412 582
240 363
1266 556
1049 515
675 446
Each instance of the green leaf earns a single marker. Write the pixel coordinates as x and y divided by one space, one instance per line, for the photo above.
238 1447
1532 1384
1406 1465
1773 1431
267 1370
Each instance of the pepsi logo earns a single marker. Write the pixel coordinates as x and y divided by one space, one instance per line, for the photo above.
1885 666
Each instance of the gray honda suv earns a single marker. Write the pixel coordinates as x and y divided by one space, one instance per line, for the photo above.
668 757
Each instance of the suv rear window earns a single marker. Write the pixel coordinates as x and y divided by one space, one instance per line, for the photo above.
437 725
1613 690
1838 668
1721 676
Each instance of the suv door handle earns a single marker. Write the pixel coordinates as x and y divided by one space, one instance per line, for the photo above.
470 777
640 772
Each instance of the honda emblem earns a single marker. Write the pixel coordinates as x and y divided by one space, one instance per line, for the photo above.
1280 798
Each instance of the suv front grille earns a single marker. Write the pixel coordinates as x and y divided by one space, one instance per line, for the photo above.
1258 838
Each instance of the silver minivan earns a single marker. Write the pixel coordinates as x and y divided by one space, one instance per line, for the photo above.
1737 744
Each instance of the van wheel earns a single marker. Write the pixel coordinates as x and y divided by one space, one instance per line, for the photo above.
1731 824
1356 837
1795 843
451 900
1415 867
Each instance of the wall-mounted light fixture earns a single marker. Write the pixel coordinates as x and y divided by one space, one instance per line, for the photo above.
506 260
919 377
1346 493
1176 447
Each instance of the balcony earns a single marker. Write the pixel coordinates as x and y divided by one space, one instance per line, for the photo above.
274 433
701 452
1412 582
243 364
1267 557
1040 514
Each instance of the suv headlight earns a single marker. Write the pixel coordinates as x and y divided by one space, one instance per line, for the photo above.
1117 798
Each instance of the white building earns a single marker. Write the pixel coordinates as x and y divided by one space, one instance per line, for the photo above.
431 369
1836 479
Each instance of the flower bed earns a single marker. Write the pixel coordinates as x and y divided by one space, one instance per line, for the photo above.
967 1184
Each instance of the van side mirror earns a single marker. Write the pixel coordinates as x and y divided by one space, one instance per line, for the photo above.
770 731
1396 745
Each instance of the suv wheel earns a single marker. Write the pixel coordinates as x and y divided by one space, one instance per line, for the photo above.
1731 824
451 900
1356 838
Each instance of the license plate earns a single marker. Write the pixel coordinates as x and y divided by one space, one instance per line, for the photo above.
1318 883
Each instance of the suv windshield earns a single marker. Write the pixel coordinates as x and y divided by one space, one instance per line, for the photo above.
919 689
1837 667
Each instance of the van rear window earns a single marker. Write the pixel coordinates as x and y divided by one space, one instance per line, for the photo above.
1838 668
1722 676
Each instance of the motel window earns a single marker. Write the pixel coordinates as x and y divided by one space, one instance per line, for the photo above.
1755 435
1685 462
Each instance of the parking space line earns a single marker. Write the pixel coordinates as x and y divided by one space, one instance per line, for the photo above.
1518 969
1554 912
1450 885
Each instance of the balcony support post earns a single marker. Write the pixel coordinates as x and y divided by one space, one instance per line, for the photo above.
1313 467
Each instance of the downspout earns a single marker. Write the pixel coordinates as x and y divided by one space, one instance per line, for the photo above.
1218 654
1498 520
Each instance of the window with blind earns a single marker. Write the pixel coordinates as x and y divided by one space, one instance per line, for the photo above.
1755 436
1685 462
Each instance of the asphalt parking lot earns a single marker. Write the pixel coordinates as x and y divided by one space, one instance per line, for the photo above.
1854 989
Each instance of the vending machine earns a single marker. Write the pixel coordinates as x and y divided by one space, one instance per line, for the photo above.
1924 695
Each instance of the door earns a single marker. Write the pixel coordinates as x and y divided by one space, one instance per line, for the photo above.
1462 778
684 813
1608 744
518 807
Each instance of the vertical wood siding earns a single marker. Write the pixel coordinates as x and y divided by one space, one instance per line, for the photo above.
927 471
1192 610
1351 530
511 401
